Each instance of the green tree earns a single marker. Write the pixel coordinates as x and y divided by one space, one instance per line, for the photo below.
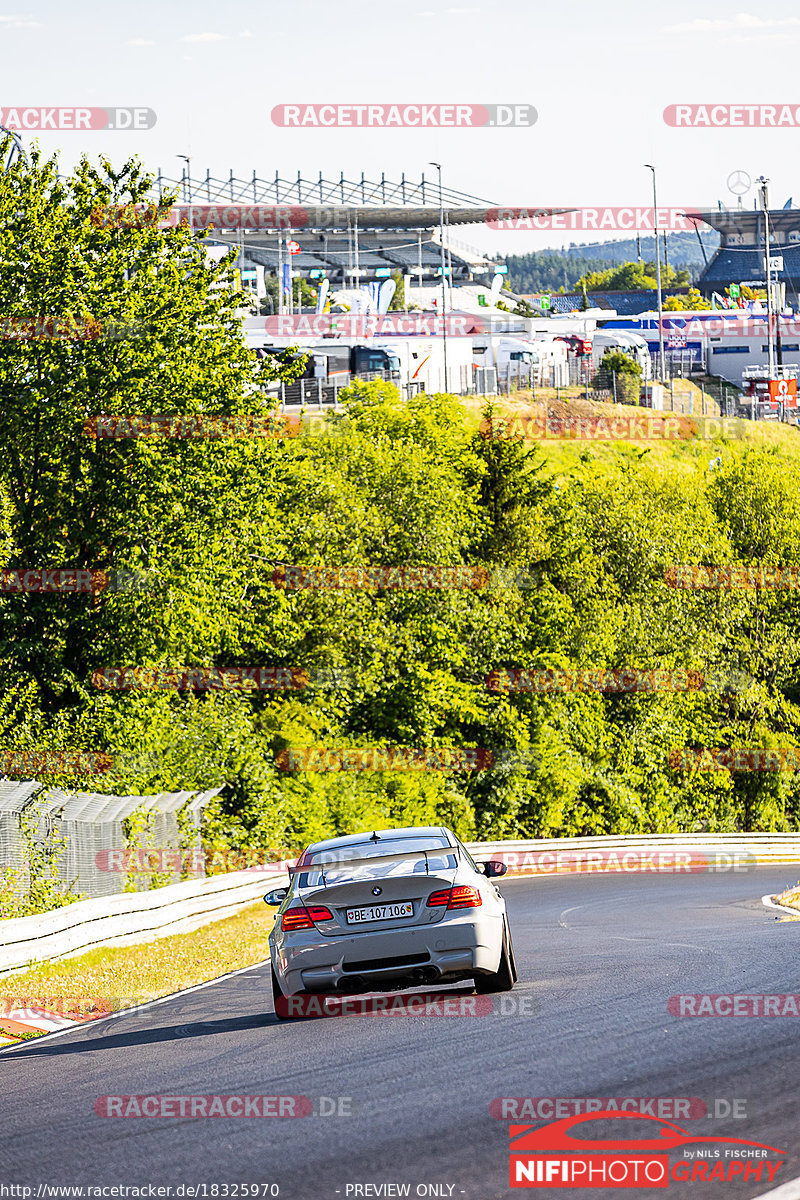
398 302
627 375
166 340
632 276
694 301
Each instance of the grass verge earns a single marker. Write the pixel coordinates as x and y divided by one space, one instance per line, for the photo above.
105 980
791 898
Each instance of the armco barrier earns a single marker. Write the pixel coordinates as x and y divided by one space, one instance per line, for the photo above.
557 856
181 907
132 917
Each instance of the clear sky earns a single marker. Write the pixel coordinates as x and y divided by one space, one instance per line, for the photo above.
599 74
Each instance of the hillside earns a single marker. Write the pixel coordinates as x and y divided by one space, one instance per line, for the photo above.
554 268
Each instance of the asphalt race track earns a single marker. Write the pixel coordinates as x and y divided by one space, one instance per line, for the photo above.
598 957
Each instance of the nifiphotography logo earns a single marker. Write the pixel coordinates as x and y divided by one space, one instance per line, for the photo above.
553 1157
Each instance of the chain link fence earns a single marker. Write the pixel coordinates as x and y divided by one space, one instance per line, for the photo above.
95 845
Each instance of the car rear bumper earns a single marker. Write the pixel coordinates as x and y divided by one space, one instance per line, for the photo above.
450 949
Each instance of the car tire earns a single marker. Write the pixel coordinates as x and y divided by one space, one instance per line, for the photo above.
512 959
277 995
505 976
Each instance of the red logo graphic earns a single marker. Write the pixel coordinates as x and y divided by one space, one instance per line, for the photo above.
553 1157
785 390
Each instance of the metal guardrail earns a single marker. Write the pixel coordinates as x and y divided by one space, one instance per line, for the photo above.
181 907
129 918
756 848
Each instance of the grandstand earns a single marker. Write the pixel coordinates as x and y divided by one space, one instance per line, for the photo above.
362 256
740 257
356 230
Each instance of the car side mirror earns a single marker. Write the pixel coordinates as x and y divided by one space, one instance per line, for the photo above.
277 896
493 868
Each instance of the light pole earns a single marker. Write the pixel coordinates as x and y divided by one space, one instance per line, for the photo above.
658 277
444 277
188 180
770 334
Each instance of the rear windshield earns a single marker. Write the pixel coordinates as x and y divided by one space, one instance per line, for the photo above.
339 865
339 854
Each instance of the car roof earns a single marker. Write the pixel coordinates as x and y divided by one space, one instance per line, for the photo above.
386 835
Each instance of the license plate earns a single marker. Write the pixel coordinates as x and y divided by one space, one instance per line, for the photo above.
379 912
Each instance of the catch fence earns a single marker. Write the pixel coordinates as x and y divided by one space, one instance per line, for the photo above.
84 841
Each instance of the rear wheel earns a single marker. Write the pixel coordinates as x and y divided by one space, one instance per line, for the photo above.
283 1010
505 976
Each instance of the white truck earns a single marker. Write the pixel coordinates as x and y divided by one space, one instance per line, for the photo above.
543 361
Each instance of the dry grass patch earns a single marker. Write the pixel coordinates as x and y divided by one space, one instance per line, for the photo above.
791 897
117 977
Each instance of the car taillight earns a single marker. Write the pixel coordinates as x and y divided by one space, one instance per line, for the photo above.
455 897
303 917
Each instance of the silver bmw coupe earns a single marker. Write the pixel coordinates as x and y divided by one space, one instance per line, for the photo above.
391 909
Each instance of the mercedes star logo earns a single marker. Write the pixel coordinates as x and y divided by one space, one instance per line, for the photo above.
739 182
377 891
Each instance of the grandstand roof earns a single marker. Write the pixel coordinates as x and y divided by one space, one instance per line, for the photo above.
748 221
339 203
